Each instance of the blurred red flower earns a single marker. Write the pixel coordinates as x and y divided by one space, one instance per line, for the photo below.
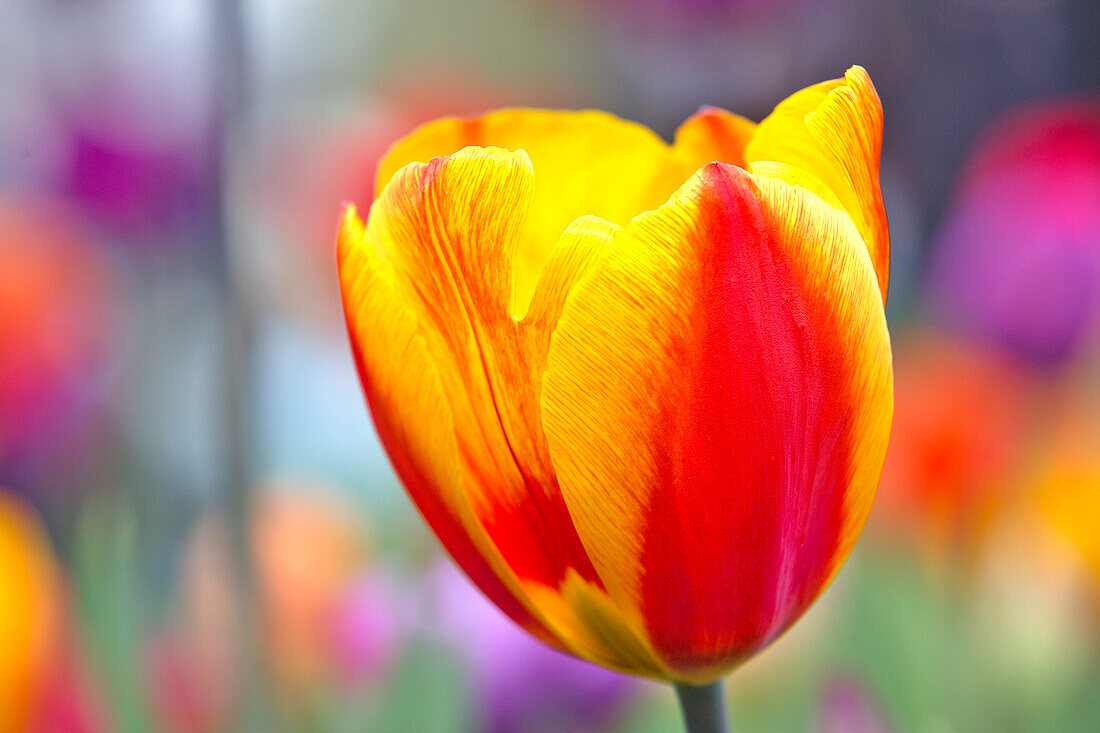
959 431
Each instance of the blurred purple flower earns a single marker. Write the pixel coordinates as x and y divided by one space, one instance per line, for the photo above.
130 87
847 706
135 192
520 683
365 628
1017 258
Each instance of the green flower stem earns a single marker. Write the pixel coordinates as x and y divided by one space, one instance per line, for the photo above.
704 707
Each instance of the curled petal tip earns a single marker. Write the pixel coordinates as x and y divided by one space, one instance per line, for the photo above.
350 231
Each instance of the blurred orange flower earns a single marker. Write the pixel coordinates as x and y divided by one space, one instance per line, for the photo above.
1068 486
308 549
642 398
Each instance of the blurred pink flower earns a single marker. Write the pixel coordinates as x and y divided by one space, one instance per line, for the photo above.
520 683
69 701
366 628
187 691
308 546
1017 257
848 706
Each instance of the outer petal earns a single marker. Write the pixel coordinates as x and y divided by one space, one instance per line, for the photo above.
414 419
713 134
717 404
829 136
453 383
587 163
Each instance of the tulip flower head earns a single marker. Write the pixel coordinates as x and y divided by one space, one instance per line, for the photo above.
641 392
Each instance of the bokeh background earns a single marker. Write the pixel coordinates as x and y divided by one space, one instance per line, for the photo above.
198 528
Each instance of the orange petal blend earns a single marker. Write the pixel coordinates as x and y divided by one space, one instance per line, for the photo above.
642 393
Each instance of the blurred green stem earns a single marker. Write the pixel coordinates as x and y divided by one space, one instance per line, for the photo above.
704 707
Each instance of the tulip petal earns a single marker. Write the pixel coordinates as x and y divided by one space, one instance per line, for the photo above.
833 132
402 384
713 134
587 163
717 403
453 380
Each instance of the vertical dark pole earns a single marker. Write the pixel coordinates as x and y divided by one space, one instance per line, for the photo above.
230 100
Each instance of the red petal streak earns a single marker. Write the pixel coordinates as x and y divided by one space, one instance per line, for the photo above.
757 477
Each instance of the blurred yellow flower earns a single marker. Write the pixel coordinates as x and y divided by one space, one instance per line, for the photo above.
29 600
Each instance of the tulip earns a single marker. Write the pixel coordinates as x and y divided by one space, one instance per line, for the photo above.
29 608
642 399
291 179
70 700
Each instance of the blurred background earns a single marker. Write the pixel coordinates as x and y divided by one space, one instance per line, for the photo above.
198 528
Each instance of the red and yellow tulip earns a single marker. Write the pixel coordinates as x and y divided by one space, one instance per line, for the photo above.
642 393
